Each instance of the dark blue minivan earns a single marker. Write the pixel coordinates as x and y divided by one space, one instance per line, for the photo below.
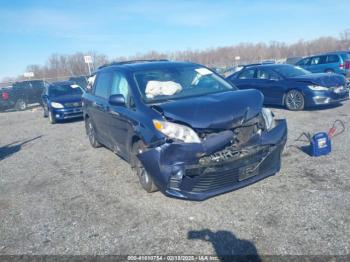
184 129
62 101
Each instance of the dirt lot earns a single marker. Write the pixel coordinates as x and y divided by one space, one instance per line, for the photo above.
60 196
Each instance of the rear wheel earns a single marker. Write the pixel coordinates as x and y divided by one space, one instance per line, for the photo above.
294 100
145 179
90 130
21 105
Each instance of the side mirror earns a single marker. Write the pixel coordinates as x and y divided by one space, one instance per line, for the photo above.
116 100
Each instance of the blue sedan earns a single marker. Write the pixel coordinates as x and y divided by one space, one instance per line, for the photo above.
291 86
62 100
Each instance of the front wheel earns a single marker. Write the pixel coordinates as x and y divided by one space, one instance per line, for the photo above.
294 100
145 179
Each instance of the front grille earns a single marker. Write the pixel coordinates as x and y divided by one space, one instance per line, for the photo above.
73 104
224 174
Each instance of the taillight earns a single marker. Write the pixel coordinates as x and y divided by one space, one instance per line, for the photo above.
5 95
341 66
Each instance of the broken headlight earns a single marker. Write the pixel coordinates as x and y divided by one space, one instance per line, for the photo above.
269 118
176 131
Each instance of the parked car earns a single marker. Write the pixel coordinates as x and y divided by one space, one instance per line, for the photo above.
80 81
22 94
291 86
61 101
184 130
333 62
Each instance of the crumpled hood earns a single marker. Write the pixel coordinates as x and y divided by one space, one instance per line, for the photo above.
322 79
215 111
67 99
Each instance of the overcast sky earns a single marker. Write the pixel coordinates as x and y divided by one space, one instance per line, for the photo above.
31 30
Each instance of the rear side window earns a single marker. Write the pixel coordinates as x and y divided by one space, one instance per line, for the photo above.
247 74
102 84
332 59
267 74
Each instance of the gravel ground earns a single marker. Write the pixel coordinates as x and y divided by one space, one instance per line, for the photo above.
58 195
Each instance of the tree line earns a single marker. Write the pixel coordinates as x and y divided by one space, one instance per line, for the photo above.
59 66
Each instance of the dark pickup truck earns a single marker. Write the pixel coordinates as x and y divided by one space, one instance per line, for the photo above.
21 94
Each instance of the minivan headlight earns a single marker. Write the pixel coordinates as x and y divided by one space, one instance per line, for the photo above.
269 118
56 105
176 131
317 88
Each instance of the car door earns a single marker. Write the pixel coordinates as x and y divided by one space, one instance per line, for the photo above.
98 107
119 123
244 79
268 83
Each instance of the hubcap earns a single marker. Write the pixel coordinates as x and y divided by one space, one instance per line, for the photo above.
294 100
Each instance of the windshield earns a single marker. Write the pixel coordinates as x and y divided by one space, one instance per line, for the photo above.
63 90
179 82
290 71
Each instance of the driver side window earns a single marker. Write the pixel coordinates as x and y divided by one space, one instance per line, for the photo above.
120 85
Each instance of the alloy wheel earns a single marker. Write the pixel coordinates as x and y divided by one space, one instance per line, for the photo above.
295 100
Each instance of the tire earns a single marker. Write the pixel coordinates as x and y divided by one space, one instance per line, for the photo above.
145 179
90 131
45 115
21 105
294 100
52 118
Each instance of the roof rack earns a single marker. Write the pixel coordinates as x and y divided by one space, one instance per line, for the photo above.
133 62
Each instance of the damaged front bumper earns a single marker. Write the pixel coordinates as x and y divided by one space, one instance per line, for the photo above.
199 171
